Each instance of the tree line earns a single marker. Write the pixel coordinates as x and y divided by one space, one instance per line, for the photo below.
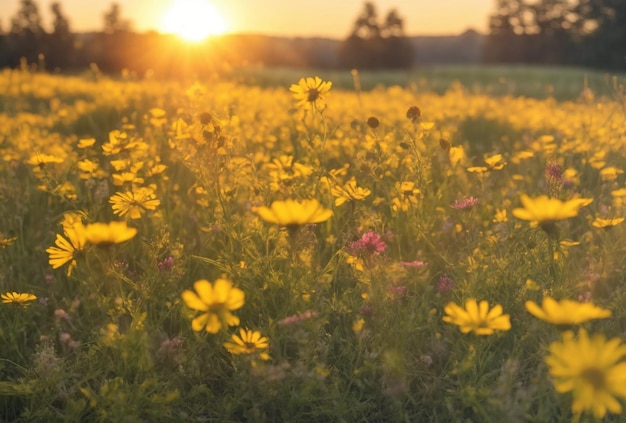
590 33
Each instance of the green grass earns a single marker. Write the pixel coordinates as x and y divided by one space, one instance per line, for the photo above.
355 333
562 83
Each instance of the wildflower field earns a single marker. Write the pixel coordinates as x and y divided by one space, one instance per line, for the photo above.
218 251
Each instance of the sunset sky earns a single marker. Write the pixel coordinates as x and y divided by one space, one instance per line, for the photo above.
326 18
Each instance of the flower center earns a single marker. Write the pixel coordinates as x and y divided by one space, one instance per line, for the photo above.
250 347
483 324
595 377
313 95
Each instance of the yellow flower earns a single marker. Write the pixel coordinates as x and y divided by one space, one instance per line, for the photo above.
109 233
88 168
566 312
216 301
21 299
610 173
545 210
456 155
67 250
357 326
590 369
349 192
120 179
493 163
407 196
134 203
5 242
310 92
40 159
292 213
86 142
356 262
248 342
477 318
606 223
500 216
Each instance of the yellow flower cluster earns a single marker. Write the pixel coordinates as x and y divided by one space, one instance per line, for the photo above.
78 236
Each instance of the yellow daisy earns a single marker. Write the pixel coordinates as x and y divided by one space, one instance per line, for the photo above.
606 223
311 93
216 301
293 213
544 209
67 250
21 299
349 192
134 203
589 367
109 233
566 312
248 342
477 317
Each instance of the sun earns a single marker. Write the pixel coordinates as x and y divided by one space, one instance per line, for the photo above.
193 20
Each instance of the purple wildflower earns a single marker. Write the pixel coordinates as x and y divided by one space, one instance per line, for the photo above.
166 264
554 172
444 284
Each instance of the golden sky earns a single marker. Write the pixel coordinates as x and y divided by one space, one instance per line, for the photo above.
325 18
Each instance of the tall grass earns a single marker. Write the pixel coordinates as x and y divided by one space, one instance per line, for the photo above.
422 183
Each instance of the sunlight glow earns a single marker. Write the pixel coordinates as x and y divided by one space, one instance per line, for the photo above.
193 20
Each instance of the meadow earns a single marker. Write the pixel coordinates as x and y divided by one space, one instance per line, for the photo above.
271 246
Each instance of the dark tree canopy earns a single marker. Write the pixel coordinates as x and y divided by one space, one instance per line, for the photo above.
113 21
580 32
26 36
376 45
590 33
61 48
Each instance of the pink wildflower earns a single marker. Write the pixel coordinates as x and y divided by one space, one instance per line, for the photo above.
398 292
465 203
415 264
370 244
445 284
166 264
297 318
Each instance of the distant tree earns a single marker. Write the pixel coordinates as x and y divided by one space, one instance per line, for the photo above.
113 21
604 32
26 37
506 26
4 50
374 45
61 49
394 25
366 25
587 32
116 41
539 31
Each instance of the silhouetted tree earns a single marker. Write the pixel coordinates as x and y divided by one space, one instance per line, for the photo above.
60 51
113 21
26 37
588 32
116 41
366 25
506 26
604 31
374 45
